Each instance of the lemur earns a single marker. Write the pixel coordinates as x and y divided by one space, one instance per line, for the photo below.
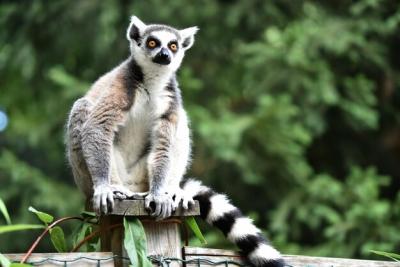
129 137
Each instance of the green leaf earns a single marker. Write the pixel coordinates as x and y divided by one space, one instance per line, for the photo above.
96 246
4 211
393 256
44 217
135 243
88 214
4 261
191 222
20 265
58 239
19 227
81 234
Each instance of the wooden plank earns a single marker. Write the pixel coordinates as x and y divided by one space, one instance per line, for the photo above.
296 260
209 251
72 259
216 255
136 208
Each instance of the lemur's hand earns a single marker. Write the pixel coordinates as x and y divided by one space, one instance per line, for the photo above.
103 198
180 195
161 204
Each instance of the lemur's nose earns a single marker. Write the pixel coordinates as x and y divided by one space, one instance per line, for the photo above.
162 57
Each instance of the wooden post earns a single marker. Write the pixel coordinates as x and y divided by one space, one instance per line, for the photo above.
163 237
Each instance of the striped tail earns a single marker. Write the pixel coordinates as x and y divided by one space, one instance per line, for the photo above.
217 210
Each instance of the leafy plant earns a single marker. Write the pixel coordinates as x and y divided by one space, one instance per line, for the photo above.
44 217
14 227
58 239
135 242
4 261
191 222
19 227
393 256
4 211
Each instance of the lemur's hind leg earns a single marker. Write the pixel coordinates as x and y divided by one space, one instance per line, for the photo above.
77 118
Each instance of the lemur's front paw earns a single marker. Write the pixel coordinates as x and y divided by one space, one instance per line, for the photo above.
180 195
160 204
103 199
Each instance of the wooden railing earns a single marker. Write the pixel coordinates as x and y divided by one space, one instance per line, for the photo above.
165 242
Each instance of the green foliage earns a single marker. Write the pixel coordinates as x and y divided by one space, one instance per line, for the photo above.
4 261
44 217
294 108
393 256
19 227
58 239
191 222
135 242
4 211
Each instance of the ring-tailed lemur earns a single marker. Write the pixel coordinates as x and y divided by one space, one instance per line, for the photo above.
129 136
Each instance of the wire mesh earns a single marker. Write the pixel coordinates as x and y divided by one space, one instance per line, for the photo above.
156 260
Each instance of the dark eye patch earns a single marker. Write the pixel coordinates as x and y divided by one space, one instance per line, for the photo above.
173 45
152 42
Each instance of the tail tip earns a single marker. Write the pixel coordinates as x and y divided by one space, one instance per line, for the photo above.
274 263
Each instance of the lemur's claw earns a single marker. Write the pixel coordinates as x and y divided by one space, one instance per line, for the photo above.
103 199
160 205
182 196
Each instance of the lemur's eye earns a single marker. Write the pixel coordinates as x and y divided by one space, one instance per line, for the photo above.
151 44
173 47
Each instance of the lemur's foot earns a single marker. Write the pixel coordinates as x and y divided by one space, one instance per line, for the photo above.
160 204
103 199
181 196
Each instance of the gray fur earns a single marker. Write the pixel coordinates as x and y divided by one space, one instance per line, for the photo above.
129 137
129 134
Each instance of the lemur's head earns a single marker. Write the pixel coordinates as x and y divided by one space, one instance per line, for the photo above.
158 46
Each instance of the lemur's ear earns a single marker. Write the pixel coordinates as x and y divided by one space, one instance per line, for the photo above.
188 36
135 29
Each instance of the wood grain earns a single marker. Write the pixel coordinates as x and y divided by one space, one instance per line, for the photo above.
163 237
136 208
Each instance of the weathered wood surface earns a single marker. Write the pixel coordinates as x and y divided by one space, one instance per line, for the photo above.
216 255
294 260
163 237
72 259
137 208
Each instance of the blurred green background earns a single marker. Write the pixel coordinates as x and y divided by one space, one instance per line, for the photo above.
295 111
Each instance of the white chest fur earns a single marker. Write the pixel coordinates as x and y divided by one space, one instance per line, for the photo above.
133 138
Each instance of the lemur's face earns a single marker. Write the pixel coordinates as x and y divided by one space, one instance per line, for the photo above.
159 47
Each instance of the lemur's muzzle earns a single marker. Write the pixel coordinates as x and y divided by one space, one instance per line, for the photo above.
162 57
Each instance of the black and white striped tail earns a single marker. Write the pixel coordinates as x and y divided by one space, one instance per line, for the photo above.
217 210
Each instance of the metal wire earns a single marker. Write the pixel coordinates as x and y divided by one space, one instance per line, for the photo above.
158 260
